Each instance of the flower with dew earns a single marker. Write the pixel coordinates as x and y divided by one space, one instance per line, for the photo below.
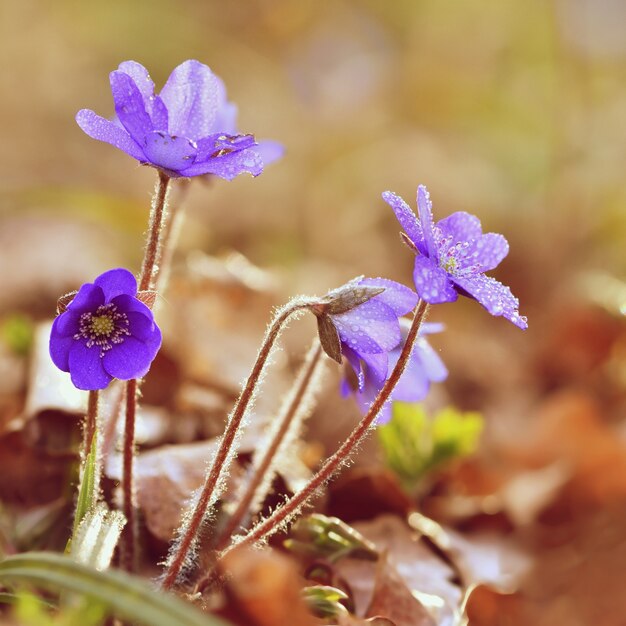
105 332
423 368
188 129
362 319
452 257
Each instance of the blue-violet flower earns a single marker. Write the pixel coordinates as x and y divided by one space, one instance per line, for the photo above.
452 257
189 129
362 318
105 332
372 370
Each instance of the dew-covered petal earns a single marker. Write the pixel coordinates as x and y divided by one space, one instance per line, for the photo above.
86 368
105 130
355 363
432 283
486 252
116 282
460 226
399 297
191 97
140 77
89 297
377 367
425 212
269 151
129 359
370 327
228 166
494 296
129 106
219 145
171 153
407 219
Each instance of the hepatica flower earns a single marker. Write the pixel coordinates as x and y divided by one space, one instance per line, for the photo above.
188 129
362 318
452 257
423 368
105 333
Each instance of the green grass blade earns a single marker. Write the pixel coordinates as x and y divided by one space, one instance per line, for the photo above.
88 492
125 596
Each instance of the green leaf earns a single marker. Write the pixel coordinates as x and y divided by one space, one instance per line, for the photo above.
88 491
415 444
124 596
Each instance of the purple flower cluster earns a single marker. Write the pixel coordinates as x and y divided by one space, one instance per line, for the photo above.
105 333
189 129
452 257
371 338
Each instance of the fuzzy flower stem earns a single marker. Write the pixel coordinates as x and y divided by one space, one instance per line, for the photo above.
129 537
146 281
262 471
153 246
223 456
169 236
276 521
91 422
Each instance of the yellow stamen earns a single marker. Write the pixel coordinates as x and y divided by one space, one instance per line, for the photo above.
102 325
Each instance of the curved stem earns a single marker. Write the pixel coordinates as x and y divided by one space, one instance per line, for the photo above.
281 515
295 408
223 456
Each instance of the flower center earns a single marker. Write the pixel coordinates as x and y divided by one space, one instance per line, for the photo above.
104 327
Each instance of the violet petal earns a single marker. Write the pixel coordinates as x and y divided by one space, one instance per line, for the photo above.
129 106
116 282
407 219
431 282
128 359
105 130
85 367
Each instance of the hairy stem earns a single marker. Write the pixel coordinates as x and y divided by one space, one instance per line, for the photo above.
129 536
221 461
291 416
282 515
91 423
153 246
146 281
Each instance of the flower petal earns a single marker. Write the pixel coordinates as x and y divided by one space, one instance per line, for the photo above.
269 151
355 362
144 328
370 327
400 298
140 77
129 359
191 97
128 304
89 297
171 153
85 367
60 345
66 324
425 212
429 361
460 226
486 252
105 130
228 166
407 219
431 282
226 117
116 282
494 296
129 106
377 367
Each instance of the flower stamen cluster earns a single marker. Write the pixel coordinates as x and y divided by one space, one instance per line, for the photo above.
103 327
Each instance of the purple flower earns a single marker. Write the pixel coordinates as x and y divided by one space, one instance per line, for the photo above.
189 129
452 257
362 318
423 368
105 333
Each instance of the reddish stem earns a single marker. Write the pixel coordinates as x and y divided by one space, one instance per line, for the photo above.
128 554
281 515
222 457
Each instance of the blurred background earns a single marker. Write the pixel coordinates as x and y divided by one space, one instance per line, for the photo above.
513 111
